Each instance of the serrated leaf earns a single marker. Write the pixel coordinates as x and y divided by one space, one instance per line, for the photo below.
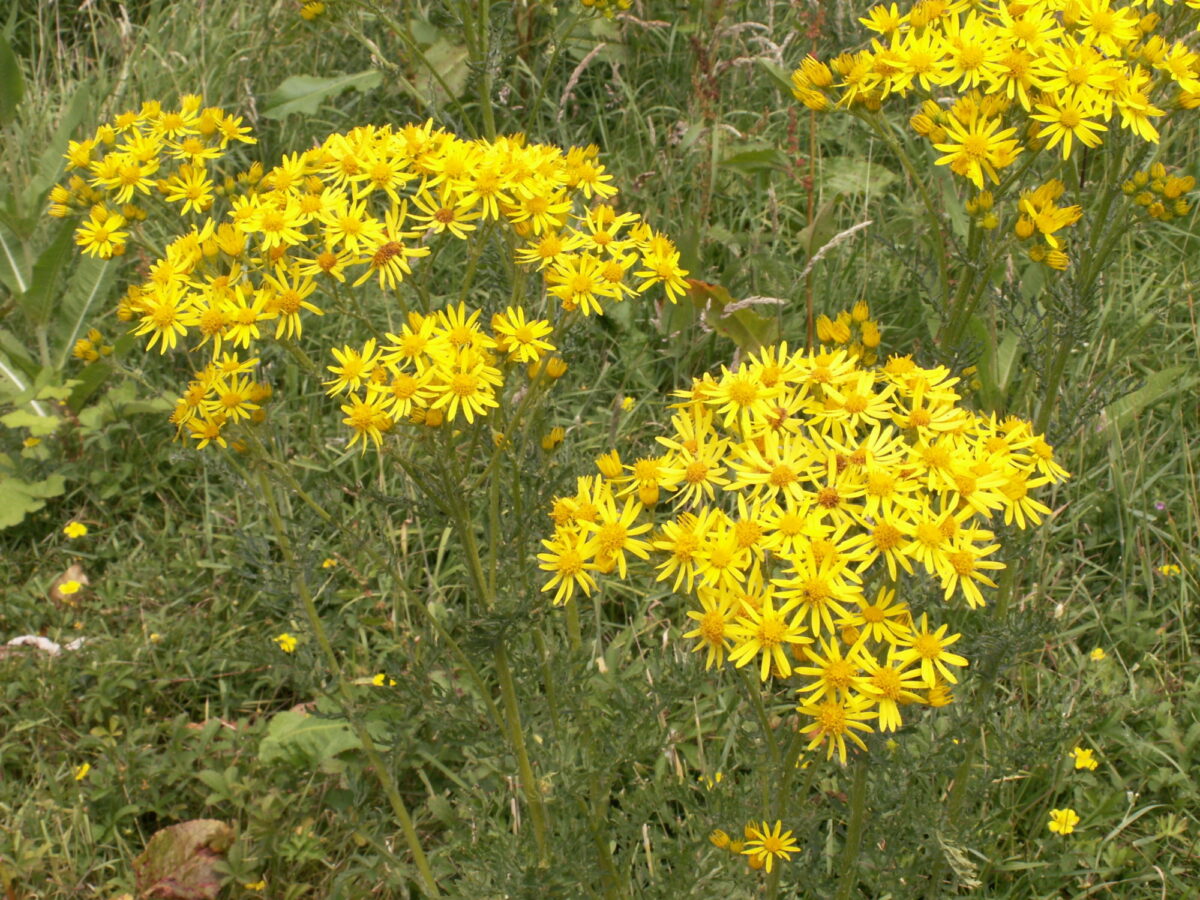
88 286
39 302
19 498
12 83
306 93
854 175
38 426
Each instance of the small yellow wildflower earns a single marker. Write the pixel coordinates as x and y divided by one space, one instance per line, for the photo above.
67 588
764 845
1084 759
383 679
328 563
1063 821
719 839
1168 569
75 530
1098 654
287 643
255 885
81 772
30 442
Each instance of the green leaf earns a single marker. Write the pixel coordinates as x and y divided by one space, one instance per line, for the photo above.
1168 382
300 739
450 61
817 233
306 93
88 286
762 159
38 303
13 267
182 862
779 75
12 83
19 498
854 175
38 426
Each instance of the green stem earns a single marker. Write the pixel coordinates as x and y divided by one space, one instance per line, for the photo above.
485 77
574 630
382 772
533 793
858 810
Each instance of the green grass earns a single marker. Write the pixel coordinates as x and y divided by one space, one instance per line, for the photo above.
173 696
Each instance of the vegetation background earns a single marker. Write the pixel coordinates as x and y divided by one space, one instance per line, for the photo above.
177 700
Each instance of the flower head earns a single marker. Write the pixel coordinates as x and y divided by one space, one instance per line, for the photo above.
1063 821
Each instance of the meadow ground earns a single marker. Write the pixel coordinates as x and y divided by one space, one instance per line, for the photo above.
339 659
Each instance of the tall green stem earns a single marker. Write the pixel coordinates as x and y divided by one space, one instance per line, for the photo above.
382 772
854 830
533 792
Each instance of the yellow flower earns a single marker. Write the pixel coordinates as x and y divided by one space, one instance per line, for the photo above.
1168 569
67 588
328 563
287 643
81 772
1097 654
1063 821
255 885
383 679
765 844
1084 759
75 530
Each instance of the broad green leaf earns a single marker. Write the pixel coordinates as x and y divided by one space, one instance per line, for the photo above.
853 175
1162 384
40 301
182 862
306 93
13 269
450 62
38 426
12 83
301 739
19 498
89 285
761 159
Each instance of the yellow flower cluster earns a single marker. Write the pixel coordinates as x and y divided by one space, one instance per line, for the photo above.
1160 194
1050 72
438 368
999 80
139 155
92 347
805 491
366 205
853 329
761 845
608 8
1040 214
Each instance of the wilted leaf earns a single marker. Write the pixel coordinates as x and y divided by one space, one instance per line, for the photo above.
306 93
180 862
